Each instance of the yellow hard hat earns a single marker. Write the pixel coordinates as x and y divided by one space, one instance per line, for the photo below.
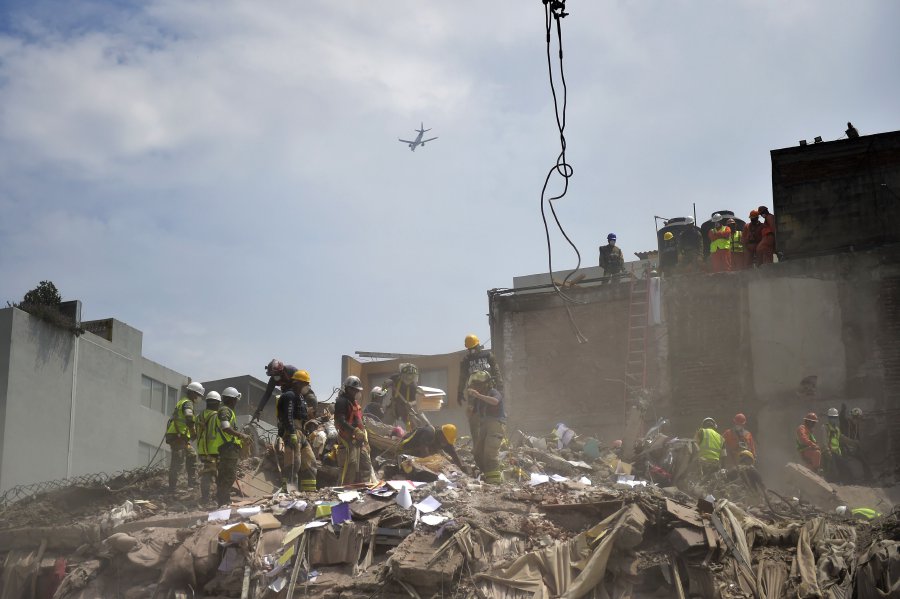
668 236
301 375
472 341
449 431
747 454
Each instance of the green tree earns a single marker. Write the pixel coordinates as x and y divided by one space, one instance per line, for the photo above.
45 294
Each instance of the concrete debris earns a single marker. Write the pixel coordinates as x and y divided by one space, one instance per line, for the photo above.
437 532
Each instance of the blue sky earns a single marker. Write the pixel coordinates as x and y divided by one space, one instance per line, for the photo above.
225 175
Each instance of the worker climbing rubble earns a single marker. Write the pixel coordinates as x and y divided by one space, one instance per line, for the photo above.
806 442
737 440
280 375
475 359
426 441
353 453
181 429
404 387
711 447
293 411
491 425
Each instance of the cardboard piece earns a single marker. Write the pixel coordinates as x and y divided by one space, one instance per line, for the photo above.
266 521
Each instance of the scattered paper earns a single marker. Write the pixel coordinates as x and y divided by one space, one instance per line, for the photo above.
538 479
278 584
229 560
293 534
286 556
381 492
349 496
433 519
316 524
584 480
219 515
403 498
234 533
428 505
449 482
557 478
324 509
298 505
340 513
628 479
246 512
579 464
402 484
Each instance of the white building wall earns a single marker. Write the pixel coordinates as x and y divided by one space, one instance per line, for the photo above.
108 422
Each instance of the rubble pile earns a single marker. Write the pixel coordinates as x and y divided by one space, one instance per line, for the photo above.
569 522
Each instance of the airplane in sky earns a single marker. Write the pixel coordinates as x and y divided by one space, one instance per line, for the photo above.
418 141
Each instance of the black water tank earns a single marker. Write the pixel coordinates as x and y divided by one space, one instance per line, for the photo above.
685 238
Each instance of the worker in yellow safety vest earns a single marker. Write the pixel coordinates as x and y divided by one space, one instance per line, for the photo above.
179 433
711 446
738 258
719 245
229 441
860 513
207 446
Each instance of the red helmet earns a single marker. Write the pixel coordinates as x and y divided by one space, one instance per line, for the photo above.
811 416
274 367
754 213
740 419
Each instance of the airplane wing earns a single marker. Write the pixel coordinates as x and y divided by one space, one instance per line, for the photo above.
424 140
406 141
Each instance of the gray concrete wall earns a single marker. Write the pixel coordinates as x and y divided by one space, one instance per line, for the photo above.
104 414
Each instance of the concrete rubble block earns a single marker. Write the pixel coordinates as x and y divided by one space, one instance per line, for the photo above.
684 539
174 520
630 528
811 487
410 564
58 537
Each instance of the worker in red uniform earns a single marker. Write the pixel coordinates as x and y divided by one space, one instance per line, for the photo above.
766 248
753 234
737 440
719 245
807 444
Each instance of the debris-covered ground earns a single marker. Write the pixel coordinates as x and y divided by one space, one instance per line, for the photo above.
567 523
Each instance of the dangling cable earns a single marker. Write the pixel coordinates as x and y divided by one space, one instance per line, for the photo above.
554 10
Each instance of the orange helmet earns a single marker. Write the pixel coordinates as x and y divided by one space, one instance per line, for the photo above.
754 214
811 416
740 419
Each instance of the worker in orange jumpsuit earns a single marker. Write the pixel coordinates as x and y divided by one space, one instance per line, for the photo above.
719 245
807 444
753 234
738 439
766 248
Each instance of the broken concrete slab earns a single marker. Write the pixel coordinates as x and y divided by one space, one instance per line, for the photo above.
410 564
685 539
58 537
174 520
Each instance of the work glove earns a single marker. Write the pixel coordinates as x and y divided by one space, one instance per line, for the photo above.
292 441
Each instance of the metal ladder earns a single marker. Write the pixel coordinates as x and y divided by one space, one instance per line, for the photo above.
638 321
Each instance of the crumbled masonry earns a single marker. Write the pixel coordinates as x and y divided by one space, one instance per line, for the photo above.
563 524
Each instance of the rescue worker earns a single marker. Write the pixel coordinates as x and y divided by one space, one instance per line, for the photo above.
860 513
807 444
354 461
738 258
711 446
207 447
426 441
835 463
491 425
719 245
404 386
229 441
375 407
765 251
751 238
738 439
292 409
279 374
852 423
179 433
475 359
611 259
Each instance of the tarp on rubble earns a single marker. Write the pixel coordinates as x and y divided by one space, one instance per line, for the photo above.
567 570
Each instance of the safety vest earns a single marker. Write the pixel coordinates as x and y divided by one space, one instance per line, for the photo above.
206 433
223 436
737 242
864 512
801 447
834 438
354 418
711 443
720 243
178 423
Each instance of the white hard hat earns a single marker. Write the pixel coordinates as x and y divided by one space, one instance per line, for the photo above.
840 510
856 412
196 388
231 392
716 217
378 392
832 412
213 396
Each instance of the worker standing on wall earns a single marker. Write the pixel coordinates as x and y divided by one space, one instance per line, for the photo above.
207 444
293 413
353 452
476 359
765 251
491 426
711 446
738 439
611 260
179 433
719 245
751 237
738 256
807 444
230 440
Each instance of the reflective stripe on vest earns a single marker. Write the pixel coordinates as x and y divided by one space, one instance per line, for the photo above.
720 243
710 445
178 424
801 447
207 441
867 513
737 242
834 438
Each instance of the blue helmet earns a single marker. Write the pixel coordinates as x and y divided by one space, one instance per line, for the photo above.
610 236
